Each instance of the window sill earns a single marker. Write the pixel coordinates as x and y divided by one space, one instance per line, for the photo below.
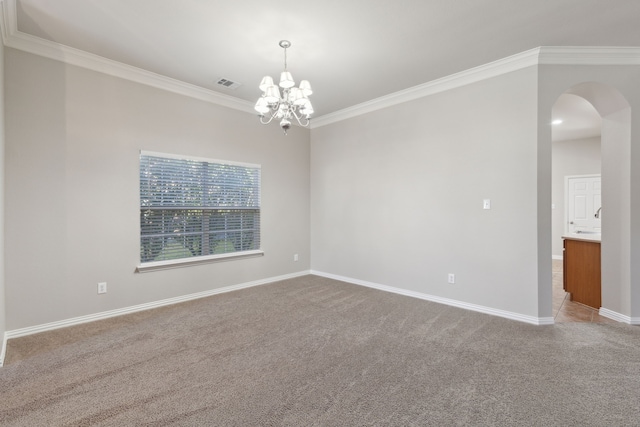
186 262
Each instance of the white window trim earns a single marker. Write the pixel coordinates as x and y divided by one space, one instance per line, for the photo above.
198 159
186 262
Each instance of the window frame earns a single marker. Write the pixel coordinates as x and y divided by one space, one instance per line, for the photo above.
199 259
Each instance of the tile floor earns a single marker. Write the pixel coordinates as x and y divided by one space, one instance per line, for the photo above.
569 311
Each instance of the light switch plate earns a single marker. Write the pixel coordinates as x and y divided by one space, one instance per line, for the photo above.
486 204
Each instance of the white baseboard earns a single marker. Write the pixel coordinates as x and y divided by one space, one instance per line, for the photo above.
127 310
3 350
447 301
610 314
557 257
454 303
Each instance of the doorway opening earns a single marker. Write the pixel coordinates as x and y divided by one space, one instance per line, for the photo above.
591 136
576 168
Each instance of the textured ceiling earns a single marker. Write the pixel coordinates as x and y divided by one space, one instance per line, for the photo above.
352 51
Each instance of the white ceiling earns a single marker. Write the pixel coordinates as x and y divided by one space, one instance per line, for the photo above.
579 118
352 51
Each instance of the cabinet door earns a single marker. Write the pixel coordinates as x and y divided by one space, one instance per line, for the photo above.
582 272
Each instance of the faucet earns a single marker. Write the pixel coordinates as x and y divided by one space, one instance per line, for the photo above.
597 215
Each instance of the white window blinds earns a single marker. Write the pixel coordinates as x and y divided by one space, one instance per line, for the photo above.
192 207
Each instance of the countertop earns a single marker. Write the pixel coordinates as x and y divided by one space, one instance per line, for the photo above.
587 237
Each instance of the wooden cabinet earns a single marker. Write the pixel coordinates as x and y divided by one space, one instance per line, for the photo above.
582 274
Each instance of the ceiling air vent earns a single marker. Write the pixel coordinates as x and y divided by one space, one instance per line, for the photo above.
228 83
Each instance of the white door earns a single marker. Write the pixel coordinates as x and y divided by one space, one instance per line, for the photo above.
584 204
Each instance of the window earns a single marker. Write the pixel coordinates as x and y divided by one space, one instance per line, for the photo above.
191 207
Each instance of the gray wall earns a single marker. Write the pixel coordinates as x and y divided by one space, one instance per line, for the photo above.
614 92
397 195
3 325
72 194
571 157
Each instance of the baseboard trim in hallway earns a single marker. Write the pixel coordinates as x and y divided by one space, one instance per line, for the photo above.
567 311
447 301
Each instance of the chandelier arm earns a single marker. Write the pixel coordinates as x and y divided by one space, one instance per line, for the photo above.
262 120
271 117
305 122
302 121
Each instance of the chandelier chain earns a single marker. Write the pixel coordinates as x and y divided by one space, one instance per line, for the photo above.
285 59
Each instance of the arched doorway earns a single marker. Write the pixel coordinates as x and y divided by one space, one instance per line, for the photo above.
615 112
575 191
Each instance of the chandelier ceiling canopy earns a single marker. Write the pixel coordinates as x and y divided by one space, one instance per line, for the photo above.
284 101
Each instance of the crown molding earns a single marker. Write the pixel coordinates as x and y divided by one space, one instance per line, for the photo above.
7 26
589 55
473 75
546 55
56 51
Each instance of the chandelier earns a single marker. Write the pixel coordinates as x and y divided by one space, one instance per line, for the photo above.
292 102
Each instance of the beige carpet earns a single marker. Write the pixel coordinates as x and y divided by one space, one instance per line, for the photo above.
317 352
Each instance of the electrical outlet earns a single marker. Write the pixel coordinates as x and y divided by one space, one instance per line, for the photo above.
451 278
295 257
102 287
